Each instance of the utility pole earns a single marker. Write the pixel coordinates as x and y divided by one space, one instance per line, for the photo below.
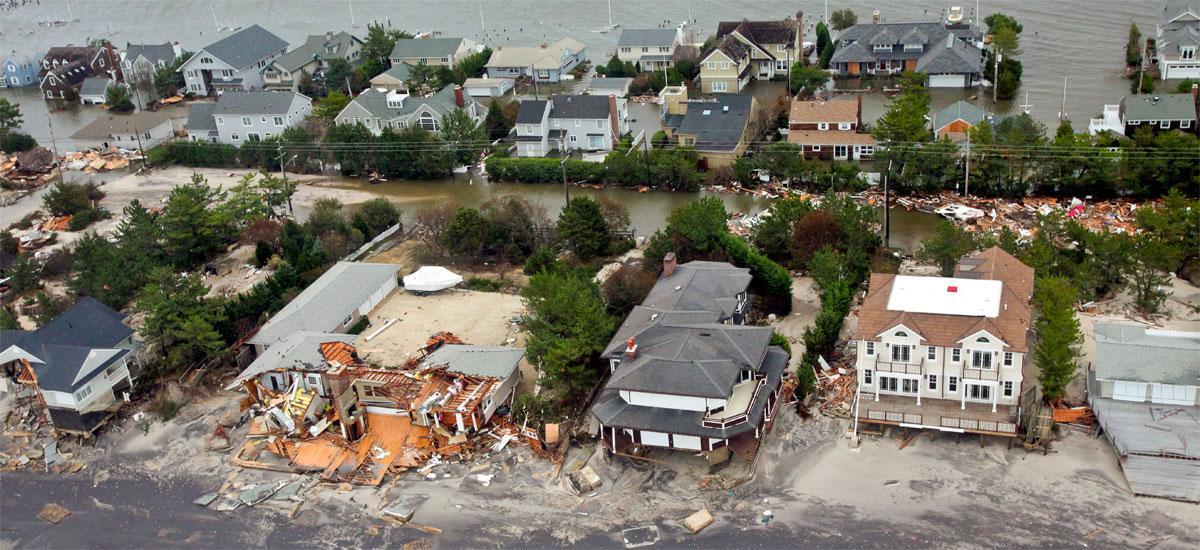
138 134
995 73
1062 115
1142 67
562 149
54 145
533 75
967 175
887 215
286 185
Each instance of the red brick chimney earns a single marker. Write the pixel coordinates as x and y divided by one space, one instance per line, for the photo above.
668 264
612 117
631 349
458 97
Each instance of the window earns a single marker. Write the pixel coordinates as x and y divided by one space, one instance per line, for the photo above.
712 65
724 65
645 49
626 50
952 384
870 348
956 355
900 354
578 123
574 138
428 122
822 125
83 393
932 382
844 125
1187 54
982 340
252 136
781 65
1008 359
931 353
910 385
982 393
599 124
901 334
981 360
816 148
1185 124
720 86
557 123
868 375
780 47
664 49
263 120
1008 389
279 121
882 47
246 121
1164 124
888 383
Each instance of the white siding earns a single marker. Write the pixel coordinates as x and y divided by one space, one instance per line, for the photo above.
59 399
678 402
687 442
1171 394
1129 391
657 439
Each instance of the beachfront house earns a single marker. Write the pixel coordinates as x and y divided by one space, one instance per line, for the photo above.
590 123
751 50
1144 391
830 129
946 353
533 134
201 126
431 51
1177 47
19 71
247 117
686 373
948 57
545 62
82 365
717 128
726 68
141 61
649 49
312 58
377 109
141 131
1158 112
235 62
64 68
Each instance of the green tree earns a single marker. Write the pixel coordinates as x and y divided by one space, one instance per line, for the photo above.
615 68
464 136
350 140
823 38
424 79
328 215
1058 336
1185 86
118 99
1005 33
947 246
341 73
193 229
1133 47
414 153
843 19
1148 269
24 274
15 142
541 259
467 233
807 78
496 123
66 199
1176 223
329 106
168 80
472 65
179 320
568 328
582 226
827 54
376 216
8 319
10 116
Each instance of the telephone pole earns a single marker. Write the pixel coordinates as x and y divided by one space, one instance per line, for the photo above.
54 145
887 215
967 175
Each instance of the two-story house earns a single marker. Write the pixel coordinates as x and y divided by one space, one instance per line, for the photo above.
1177 47
946 353
717 128
769 48
201 125
571 123
235 62
544 62
246 117
830 129
685 373
650 49
311 58
1158 112
954 121
431 51
19 71
948 59
140 130
533 134
64 68
141 61
82 364
378 109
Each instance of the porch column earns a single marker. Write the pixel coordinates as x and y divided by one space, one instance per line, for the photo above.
995 390
964 395
877 381
614 438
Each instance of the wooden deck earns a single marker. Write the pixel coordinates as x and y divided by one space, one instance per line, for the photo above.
938 414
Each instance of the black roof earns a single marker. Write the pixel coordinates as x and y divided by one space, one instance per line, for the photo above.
67 419
65 344
717 124
580 106
531 111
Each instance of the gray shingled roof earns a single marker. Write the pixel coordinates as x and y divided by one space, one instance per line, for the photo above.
1171 40
1159 107
716 128
327 302
108 125
95 85
855 44
1175 8
200 117
399 71
633 38
481 361
375 102
296 58
152 52
700 286
65 343
531 111
579 106
1132 353
968 112
246 47
951 55
254 103
429 48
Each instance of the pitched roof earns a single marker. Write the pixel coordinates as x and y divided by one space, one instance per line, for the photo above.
1171 41
531 111
73 347
1184 10
1159 107
300 350
713 353
548 57
719 124
153 53
200 117
855 44
296 59
236 102
610 83
830 137
761 32
819 110
959 110
327 302
951 55
315 47
480 361
246 46
95 85
376 102
733 48
1136 354
133 123
398 71
632 38
700 286
71 54
1011 323
579 106
427 48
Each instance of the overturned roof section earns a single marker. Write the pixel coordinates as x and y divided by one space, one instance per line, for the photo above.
298 351
1136 354
476 361
326 303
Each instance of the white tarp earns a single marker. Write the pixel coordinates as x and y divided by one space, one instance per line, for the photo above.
431 278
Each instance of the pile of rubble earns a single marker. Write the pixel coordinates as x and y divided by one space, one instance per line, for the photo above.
106 160
836 387
31 442
34 167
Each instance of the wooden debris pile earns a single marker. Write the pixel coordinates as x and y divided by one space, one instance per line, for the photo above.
1074 415
91 162
836 388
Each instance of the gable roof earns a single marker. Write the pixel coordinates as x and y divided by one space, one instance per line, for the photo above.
761 32
579 106
632 38
200 117
959 110
429 48
246 47
398 71
314 48
1136 354
375 102
154 53
731 47
70 54
1159 107
480 361
855 44
700 286
237 102
531 111
718 124
549 56
1177 12
951 55
95 85
818 110
702 360
327 302
1171 41
300 350
133 123
72 348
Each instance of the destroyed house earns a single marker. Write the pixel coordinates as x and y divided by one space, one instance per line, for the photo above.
686 374
82 365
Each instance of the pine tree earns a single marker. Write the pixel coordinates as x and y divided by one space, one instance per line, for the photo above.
1058 336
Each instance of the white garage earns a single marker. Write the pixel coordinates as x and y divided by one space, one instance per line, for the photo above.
1129 391
947 81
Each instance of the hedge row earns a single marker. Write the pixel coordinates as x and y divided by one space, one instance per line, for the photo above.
771 281
543 170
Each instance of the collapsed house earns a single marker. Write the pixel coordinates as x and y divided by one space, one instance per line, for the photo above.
317 407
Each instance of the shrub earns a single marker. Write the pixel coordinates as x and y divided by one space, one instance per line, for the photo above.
359 326
81 220
542 259
543 170
484 285
626 288
780 340
262 253
771 280
15 142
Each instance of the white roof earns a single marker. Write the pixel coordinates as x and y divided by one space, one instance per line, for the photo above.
431 278
946 296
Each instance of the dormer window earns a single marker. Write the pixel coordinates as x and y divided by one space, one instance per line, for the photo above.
982 340
901 334
883 47
913 47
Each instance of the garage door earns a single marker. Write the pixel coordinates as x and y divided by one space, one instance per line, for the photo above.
1170 394
655 438
946 81
1129 391
687 442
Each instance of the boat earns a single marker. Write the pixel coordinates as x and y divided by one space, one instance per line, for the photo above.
611 26
431 278
955 15
959 212
461 169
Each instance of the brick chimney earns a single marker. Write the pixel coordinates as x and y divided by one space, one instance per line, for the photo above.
631 349
668 264
612 117
458 97
1195 92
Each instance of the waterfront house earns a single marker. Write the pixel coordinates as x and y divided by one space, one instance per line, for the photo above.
235 62
94 90
956 119
488 87
1177 47
830 129
141 61
609 86
64 68
82 364
395 79
1155 111
1143 389
686 374
377 109
949 59
201 125
768 49
431 51
649 49
545 62
590 123
534 136
716 128
140 130
946 353
312 58
19 71
242 117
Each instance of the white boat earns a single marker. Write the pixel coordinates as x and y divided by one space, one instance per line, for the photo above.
955 15
461 169
959 212
611 26
431 278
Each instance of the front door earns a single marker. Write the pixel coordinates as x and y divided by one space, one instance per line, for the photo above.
840 152
764 68
978 392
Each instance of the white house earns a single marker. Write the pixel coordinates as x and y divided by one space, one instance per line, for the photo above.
589 123
242 117
140 130
1177 48
235 62
378 109
652 49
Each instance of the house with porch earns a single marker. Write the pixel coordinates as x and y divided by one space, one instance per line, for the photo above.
19 71
946 353
378 109
769 48
717 128
245 117
544 62
1177 46
235 62
1145 390
568 122
685 373
1158 112
948 59
82 365
830 129
650 49
311 58
140 61
444 51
